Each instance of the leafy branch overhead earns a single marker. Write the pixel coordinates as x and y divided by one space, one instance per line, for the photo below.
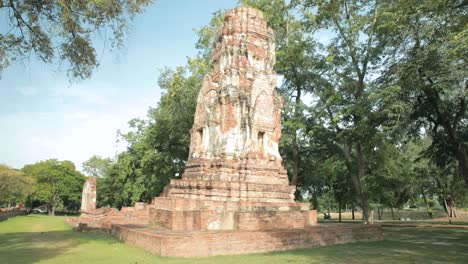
64 30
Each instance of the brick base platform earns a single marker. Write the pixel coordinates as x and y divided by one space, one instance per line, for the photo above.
213 243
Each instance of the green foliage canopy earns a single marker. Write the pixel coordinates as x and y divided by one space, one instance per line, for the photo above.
15 186
62 30
96 166
57 183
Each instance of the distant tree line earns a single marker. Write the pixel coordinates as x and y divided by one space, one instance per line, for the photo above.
54 184
15 186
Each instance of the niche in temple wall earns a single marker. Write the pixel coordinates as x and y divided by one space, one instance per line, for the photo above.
264 113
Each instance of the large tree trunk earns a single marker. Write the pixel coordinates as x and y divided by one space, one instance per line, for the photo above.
379 213
428 210
463 201
452 207
447 210
352 210
454 211
339 210
462 158
295 169
450 126
315 198
356 179
295 150
51 210
457 142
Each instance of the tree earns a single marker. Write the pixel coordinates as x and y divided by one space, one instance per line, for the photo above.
300 66
15 186
158 146
63 30
155 155
395 178
109 188
428 40
57 182
352 58
96 166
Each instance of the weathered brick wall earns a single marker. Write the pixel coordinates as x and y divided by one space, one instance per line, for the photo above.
269 220
105 217
206 243
238 218
311 218
4 215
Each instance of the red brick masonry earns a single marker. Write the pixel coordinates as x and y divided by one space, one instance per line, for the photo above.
4 215
212 243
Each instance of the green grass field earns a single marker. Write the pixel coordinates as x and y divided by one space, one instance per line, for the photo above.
46 239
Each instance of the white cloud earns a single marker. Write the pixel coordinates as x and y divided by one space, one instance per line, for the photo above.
91 93
27 90
83 124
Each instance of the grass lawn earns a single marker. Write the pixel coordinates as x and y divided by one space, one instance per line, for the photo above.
46 239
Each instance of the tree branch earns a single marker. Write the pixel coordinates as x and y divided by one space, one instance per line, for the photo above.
352 52
461 110
19 18
369 41
330 115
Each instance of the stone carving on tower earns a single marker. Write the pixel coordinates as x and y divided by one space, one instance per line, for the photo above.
237 126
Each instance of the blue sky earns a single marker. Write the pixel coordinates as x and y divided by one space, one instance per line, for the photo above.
43 116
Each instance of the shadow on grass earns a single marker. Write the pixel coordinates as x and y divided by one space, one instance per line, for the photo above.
32 247
35 215
401 245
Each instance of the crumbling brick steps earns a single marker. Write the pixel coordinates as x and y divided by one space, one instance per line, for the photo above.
212 243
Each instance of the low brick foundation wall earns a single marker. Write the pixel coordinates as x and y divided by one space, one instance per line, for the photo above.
4 215
212 243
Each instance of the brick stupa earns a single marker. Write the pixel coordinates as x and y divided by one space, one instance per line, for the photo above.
234 178
234 140
234 196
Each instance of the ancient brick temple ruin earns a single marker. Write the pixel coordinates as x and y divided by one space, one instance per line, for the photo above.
88 198
234 196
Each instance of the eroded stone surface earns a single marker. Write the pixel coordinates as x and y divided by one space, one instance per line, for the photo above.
238 110
88 198
234 140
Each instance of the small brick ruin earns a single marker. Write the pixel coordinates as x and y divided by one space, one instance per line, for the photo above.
105 217
88 197
234 196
